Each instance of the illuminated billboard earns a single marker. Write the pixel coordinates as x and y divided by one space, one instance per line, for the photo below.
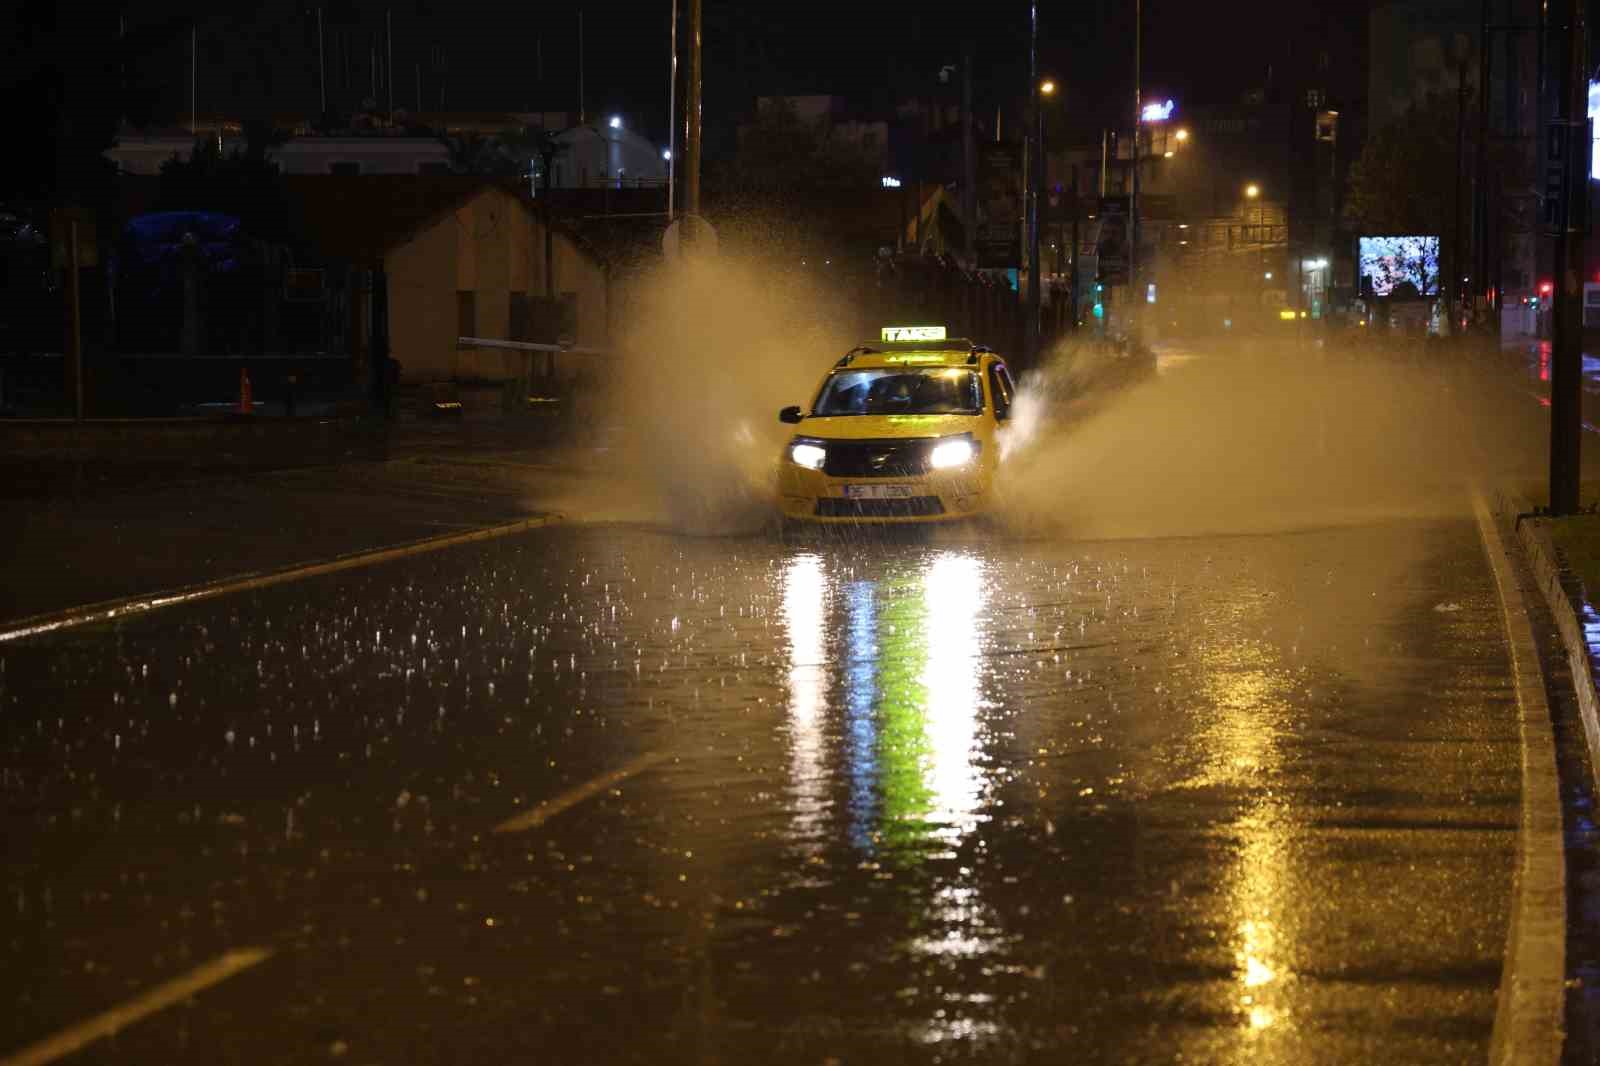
1594 113
1160 112
1388 264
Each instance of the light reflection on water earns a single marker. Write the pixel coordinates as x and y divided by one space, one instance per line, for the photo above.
1251 691
912 679
862 697
953 590
805 604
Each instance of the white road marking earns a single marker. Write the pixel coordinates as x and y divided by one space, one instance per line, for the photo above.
140 1007
1531 1000
114 609
547 810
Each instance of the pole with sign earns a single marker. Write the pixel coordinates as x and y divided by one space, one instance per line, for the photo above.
73 246
1566 192
1030 330
999 206
75 328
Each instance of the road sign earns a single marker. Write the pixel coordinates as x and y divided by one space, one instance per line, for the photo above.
1565 167
999 205
1112 245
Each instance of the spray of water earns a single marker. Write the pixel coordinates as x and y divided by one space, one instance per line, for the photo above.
1272 437
712 349
1239 438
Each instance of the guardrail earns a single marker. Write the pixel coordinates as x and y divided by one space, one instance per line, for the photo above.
527 346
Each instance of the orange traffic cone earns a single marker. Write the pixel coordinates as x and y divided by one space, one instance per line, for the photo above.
245 405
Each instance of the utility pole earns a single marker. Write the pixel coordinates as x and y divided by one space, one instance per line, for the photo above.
672 112
1073 303
74 358
582 114
1480 200
969 162
194 67
1452 294
322 69
1569 148
1030 334
691 184
388 64
1133 203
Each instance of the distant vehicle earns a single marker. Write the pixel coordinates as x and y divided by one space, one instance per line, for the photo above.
901 431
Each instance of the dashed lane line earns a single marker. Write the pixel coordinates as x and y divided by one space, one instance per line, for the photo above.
111 610
140 1007
537 816
81 1035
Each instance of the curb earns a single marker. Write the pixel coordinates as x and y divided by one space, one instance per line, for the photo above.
1529 1024
1547 569
109 610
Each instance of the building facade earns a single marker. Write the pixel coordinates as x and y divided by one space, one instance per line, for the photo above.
607 154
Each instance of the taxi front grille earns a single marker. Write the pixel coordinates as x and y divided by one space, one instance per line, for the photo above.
877 458
908 507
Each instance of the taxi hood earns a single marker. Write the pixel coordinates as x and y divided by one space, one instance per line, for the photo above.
887 427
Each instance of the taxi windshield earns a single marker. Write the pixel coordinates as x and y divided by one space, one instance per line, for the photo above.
896 390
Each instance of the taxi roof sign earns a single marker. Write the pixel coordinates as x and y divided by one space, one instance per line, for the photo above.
891 334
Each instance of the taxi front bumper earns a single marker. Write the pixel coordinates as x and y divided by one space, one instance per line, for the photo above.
942 496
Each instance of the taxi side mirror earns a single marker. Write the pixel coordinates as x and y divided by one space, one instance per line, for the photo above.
790 415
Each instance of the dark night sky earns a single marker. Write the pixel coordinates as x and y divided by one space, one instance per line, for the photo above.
875 53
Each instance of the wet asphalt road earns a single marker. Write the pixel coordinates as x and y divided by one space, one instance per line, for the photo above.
1243 799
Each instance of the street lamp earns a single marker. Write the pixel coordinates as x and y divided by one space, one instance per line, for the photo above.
1047 87
1252 191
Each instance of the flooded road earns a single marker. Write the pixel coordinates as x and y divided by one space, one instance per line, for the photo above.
1246 799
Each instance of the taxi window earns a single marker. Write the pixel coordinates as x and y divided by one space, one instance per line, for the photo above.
900 391
1000 388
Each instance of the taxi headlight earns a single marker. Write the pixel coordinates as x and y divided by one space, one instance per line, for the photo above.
809 456
951 453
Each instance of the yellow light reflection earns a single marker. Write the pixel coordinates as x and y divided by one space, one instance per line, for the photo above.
805 590
1250 692
953 590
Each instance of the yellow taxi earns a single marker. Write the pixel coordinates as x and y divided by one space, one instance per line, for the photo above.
901 431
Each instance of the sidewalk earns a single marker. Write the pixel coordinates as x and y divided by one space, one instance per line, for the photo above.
108 543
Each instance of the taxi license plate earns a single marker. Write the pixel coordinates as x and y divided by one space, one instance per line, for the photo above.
878 492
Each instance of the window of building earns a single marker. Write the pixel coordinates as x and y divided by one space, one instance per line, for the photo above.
344 167
466 313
